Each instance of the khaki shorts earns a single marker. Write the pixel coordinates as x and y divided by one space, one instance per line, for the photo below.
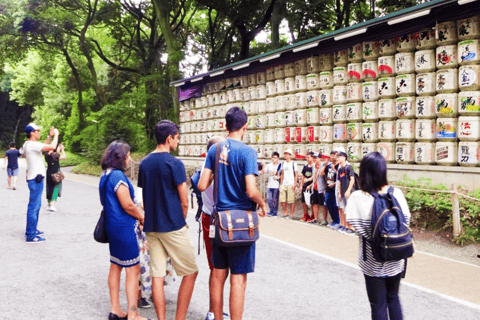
176 245
287 194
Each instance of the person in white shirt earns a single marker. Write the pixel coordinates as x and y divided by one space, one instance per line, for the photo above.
273 172
35 174
288 183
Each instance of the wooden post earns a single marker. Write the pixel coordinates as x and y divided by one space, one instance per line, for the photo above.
456 212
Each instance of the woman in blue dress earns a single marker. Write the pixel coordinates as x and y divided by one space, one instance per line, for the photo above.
121 217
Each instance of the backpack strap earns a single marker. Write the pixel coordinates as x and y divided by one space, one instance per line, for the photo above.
215 179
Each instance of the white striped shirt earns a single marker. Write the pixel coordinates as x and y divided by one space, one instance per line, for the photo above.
359 215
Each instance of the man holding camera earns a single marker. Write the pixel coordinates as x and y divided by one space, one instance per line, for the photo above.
36 172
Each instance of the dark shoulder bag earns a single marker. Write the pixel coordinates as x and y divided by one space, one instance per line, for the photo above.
233 228
100 234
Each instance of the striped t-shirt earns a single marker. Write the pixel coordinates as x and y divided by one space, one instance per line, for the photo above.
359 215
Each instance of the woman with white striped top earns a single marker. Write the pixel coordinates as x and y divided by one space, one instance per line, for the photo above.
382 279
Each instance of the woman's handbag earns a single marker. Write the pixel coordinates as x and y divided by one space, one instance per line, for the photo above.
58 177
233 228
100 233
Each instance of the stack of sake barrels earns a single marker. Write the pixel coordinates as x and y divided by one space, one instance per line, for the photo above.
415 99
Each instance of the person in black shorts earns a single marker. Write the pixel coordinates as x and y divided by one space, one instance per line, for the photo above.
307 178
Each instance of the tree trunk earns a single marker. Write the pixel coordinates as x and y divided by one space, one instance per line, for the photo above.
277 16
78 81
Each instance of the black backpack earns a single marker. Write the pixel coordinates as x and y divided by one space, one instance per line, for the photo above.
392 239
194 182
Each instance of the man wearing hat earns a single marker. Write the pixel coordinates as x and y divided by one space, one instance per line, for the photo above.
288 182
36 172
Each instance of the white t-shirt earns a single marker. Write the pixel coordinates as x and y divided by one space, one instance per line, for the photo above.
35 162
289 169
207 197
272 171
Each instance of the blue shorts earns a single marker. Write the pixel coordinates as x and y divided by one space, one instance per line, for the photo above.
12 172
240 260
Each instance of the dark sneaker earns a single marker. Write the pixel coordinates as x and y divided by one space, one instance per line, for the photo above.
324 223
36 239
14 188
144 303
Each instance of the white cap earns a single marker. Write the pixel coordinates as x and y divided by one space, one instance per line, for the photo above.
288 151
340 149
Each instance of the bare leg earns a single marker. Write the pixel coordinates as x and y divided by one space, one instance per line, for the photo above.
219 276
185 295
292 210
342 217
131 286
15 178
305 211
315 211
325 213
9 181
158 297
284 206
114 287
238 284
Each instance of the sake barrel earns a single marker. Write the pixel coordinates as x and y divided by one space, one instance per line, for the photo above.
425 130
325 98
251 122
406 43
267 151
468 52
339 132
354 151
340 75
313 65
326 79
425 39
447 81
339 113
386 131
368 147
404 63
354 92
261 92
425 61
371 50
446 33
340 58
405 130
290 135
261 77
301 100
279 103
243 94
469 103
301 82
310 148
354 131
325 62
313 134
468 78
312 116
301 135
260 121
211 101
221 124
425 107
339 94
270 120
313 98
230 96
279 71
270 86
405 84
424 153
280 86
354 72
425 84
237 82
447 129
325 148
181 151
289 118
300 117
370 70
290 69
404 152
355 53
290 85
290 102
252 93
469 128
386 88
313 81
386 66
405 107
299 152
387 109
468 28
260 136
261 106
446 105
354 112
446 153
370 111
270 104
387 150
301 66
252 80
468 153
204 100
339 146
447 57
237 94
370 91
326 134
279 135
270 71
388 47
325 116
370 132
221 85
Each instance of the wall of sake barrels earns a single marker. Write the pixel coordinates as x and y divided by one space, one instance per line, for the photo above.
415 99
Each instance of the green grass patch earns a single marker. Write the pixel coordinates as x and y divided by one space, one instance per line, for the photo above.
87 168
73 159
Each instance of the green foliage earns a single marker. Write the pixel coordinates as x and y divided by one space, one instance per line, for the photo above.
89 169
73 159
